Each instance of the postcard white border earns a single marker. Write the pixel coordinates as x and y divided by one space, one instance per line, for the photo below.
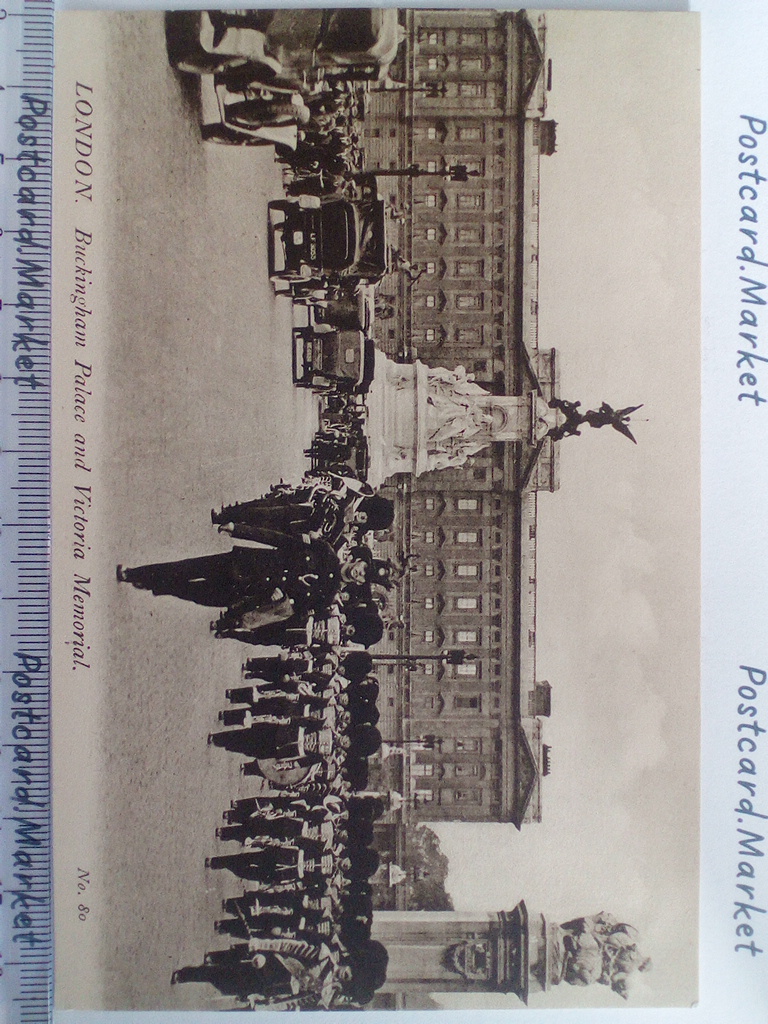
733 986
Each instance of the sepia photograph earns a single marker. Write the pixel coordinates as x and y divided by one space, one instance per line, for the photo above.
376 599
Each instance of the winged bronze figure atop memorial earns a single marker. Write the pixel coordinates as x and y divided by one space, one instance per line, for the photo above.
605 416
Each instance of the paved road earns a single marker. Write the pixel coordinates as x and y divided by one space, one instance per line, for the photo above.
201 411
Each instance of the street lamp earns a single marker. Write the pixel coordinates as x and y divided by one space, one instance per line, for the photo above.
430 90
429 741
451 656
454 172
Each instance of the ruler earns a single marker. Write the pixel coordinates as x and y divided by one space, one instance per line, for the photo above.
26 135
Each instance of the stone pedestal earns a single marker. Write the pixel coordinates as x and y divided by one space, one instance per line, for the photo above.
424 418
449 951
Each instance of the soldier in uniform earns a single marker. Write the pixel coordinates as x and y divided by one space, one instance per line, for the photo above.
305 571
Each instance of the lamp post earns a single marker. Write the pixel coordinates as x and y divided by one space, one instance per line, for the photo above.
451 656
429 741
430 90
454 172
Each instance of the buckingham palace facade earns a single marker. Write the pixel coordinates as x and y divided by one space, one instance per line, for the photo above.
457 143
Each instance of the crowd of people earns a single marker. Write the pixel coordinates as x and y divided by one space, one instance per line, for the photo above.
340 444
300 575
304 923
322 716
305 722
328 151
310 578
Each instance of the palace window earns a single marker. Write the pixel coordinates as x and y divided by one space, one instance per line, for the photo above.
467 796
469 668
471 133
469 301
467 746
429 503
469 335
422 770
469 268
466 703
428 335
467 537
429 37
429 570
474 167
471 38
467 504
431 267
469 234
429 636
430 199
468 570
429 537
434 131
466 769
429 602
467 604
430 234
423 796
429 668
467 636
472 64
470 200
472 89
432 166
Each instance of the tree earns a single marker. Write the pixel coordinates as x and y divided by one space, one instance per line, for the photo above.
426 868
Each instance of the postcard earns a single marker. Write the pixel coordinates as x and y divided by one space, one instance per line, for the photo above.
376 526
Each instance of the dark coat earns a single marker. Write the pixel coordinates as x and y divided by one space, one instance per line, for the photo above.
306 572
273 669
249 511
265 741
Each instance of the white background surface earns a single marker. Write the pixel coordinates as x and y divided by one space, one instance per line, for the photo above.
733 986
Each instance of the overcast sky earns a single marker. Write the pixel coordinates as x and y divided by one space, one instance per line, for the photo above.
618 595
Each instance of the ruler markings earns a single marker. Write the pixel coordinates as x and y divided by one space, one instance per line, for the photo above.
27 979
